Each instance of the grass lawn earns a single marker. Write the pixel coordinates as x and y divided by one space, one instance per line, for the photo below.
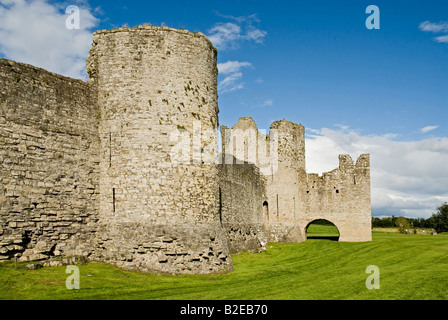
320 231
411 267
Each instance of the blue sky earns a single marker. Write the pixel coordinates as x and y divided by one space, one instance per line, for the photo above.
318 64
383 92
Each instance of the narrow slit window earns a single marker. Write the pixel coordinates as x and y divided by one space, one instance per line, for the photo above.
110 149
113 199
277 206
220 206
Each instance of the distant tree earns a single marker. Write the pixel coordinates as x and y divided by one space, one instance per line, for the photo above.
438 221
402 224
431 222
440 218
376 222
385 222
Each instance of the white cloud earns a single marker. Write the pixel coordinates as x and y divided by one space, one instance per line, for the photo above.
232 66
254 34
442 39
438 27
428 128
34 32
230 35
408 178
264 103
223 35
434 27
231 71
342 126
231 83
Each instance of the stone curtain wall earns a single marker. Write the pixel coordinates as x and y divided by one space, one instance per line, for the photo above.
154 85
48 164
242 193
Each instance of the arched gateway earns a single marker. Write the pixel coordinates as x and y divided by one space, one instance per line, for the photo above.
321 229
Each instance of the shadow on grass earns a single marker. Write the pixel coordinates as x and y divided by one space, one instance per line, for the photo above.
322 237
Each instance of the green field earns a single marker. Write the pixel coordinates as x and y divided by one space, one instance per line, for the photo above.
321 231
411 267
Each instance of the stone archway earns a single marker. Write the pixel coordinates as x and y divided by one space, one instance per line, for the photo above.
321 229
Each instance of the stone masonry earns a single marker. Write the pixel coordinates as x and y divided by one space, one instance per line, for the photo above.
91 171
295 198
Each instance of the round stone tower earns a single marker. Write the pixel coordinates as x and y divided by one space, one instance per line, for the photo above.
157 91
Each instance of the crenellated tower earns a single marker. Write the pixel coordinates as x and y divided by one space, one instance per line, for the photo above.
284 182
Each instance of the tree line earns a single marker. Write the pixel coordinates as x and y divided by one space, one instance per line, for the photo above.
438 221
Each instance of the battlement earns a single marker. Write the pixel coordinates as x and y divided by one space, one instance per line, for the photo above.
149 27
286 125
363 161
284 145
346 162
347 171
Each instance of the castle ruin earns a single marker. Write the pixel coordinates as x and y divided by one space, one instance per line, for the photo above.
88 169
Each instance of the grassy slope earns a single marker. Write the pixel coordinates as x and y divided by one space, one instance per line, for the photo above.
411 267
